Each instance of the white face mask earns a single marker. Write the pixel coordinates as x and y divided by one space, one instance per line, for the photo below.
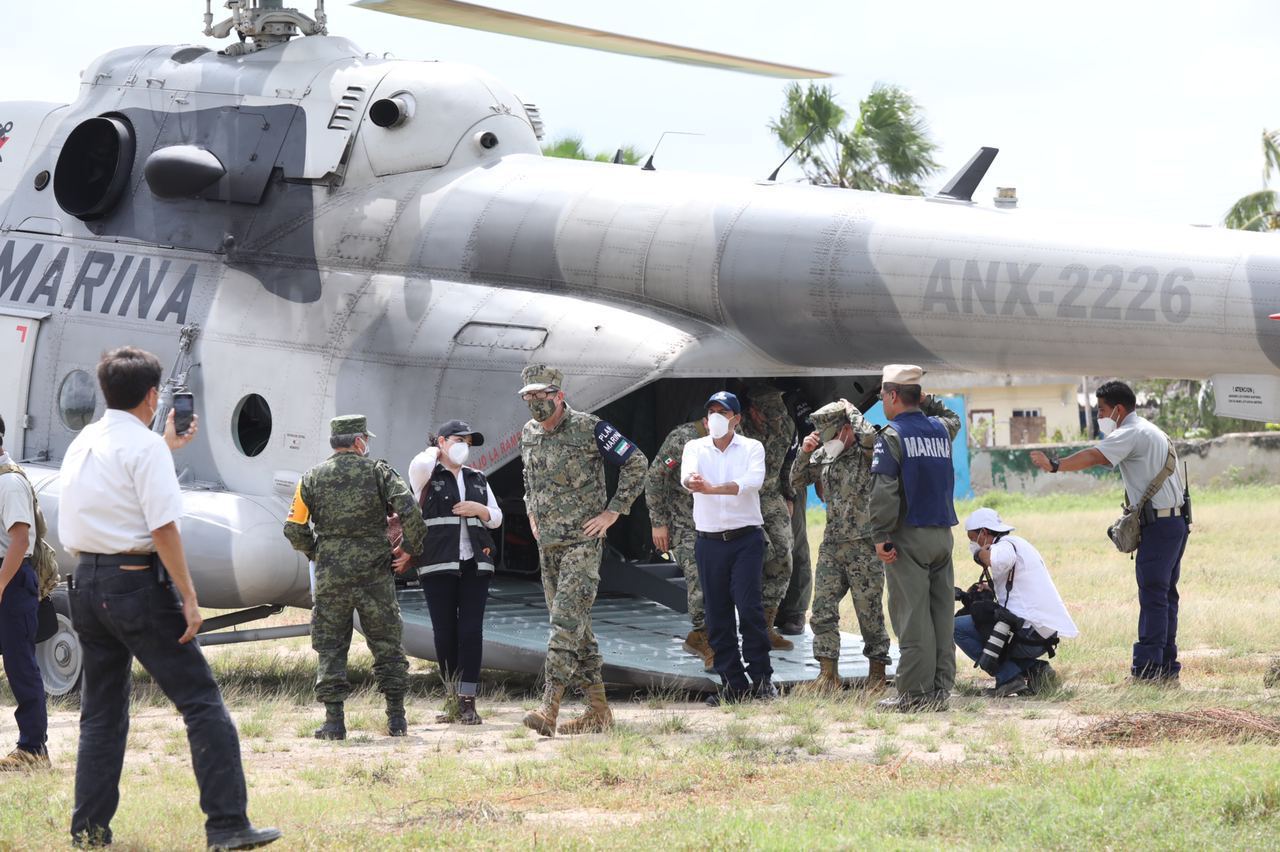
833 448
1106 426
459 453
717 425
974 547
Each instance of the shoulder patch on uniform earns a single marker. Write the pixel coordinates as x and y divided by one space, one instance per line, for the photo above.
882 460
614 448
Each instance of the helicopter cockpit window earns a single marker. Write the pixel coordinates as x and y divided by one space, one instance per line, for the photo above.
252 425
77 400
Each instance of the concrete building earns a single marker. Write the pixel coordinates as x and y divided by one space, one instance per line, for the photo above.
1006 410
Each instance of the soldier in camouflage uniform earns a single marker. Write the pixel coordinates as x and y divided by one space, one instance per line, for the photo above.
768 422
671 514
339 520
837 457
564 454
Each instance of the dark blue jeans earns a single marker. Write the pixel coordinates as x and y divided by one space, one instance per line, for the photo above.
120 615
1158 564
18 645
1019 660
731 573
456 603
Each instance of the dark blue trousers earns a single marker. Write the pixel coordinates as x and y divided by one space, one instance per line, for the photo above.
18 646
1158 564
456 604
120 615
731 573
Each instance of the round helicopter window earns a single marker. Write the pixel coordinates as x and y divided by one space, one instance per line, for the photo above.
77 399
252 424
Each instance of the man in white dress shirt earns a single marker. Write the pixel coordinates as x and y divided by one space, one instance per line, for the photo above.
724 471
119 510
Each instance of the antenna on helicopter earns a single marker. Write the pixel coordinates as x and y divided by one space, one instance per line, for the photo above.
263 23
774 176
648 164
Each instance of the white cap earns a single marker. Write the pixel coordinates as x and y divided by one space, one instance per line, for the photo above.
901 374
986 519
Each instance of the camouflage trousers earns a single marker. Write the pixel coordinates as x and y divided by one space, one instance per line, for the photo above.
777 558
372 594
849 567
570 578
682 543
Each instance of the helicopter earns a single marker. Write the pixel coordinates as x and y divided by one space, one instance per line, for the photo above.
303 229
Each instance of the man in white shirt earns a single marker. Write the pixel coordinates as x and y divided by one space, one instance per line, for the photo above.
1022 585
119 510
1140 451
19 598
724 471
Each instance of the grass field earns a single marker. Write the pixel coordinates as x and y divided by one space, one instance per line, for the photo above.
797 773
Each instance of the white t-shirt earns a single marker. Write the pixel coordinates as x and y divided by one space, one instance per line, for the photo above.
1033 596
116 485
15 508
742 461
1140 450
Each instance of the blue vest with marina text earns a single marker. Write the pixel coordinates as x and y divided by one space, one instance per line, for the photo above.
928 479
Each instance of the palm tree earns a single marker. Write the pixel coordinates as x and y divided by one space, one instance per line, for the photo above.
570 148
1258 211
887 150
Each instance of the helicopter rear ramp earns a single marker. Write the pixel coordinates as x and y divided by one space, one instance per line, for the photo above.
639 639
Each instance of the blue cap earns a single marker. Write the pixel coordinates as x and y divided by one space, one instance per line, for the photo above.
726 399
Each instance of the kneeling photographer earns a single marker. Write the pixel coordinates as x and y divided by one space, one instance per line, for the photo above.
1013 616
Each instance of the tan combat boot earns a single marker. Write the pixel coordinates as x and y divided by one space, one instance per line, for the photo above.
696 643
776 640
596 719
876 680
827 681
543 720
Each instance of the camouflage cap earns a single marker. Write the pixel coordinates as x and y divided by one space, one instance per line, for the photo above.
829 418
350 424
536 377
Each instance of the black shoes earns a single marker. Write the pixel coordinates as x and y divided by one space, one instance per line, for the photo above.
335 723
762 691
245 838
1010 688
792 627
467 714
397 726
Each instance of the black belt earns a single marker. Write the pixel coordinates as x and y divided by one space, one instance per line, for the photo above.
727 535
115 560
111 560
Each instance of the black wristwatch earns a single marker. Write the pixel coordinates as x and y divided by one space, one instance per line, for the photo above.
1054 464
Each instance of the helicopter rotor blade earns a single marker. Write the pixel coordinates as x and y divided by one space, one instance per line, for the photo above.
472 16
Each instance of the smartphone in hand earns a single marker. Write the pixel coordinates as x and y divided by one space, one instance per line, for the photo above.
184 409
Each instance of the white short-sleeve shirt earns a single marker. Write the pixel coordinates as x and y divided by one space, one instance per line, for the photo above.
117 484
742 461
1033 596
15 507
1139 449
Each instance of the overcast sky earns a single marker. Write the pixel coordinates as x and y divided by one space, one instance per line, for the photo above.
1146 110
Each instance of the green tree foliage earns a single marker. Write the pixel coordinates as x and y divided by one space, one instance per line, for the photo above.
887 148
1185 409
570 148
1259 211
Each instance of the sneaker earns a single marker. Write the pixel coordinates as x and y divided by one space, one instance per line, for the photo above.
245 838
21 760
1009 688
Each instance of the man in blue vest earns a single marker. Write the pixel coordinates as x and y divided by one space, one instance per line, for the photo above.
911 519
